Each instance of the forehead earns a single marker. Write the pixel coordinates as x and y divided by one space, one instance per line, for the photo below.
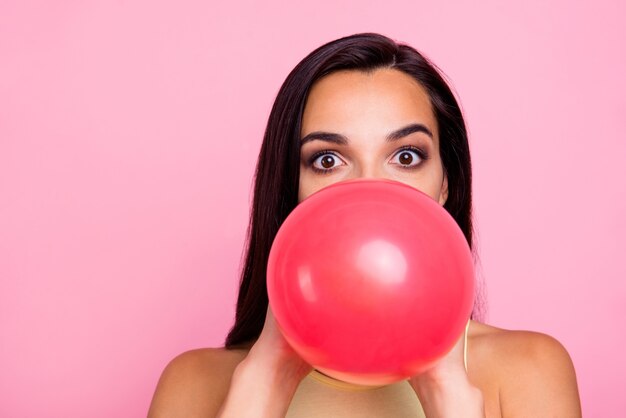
384 99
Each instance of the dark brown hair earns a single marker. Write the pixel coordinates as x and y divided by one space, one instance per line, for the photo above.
277 171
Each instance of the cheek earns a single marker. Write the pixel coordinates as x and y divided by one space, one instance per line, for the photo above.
308 181
429 183
304 187
428 189
309 184
301 196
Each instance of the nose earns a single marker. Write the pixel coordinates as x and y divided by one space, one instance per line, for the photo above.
369 171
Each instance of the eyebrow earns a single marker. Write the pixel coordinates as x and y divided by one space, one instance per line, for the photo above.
392 136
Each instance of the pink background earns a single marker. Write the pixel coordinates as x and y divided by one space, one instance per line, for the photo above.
129 132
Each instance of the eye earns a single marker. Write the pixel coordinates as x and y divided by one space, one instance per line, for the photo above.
409 157
324 162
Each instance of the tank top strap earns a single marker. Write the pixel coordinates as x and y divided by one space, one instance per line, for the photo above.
465 345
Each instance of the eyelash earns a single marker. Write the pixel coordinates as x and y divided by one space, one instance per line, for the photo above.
422 154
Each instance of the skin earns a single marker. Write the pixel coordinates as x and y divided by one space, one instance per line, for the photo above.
514 373
365 109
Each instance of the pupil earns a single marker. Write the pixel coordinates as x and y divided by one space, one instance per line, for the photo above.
406 157
327 161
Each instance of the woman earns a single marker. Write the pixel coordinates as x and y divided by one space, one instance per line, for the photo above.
363 106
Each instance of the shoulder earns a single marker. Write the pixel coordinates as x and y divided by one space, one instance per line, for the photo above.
533 371
195 383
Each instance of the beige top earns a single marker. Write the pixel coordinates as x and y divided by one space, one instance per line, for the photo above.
320 396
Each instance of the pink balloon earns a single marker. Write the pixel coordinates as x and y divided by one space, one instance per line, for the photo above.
370 281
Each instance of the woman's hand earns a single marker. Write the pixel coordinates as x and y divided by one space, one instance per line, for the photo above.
444 390
266 380
272 348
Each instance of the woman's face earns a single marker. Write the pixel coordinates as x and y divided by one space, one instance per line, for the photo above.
370 126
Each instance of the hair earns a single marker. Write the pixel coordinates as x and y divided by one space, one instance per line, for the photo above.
277 171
